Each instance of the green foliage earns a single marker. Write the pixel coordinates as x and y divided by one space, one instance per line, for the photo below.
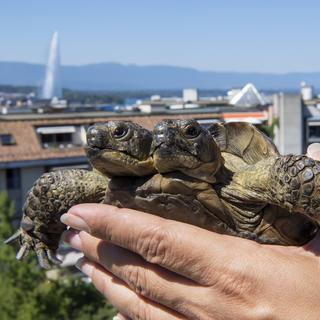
27 294
269 130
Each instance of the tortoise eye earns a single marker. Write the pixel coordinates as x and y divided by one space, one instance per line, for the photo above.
120 132
191 131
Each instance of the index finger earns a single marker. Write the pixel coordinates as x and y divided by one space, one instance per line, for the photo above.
185 249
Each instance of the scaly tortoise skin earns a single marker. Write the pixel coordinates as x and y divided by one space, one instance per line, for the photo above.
289 181
242 144
267 195
114 148
194 184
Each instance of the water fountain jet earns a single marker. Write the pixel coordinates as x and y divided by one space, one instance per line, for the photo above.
51 87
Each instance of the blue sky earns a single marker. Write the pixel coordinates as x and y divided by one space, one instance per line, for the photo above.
239 35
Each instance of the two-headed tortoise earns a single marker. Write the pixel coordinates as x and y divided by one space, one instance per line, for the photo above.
229 179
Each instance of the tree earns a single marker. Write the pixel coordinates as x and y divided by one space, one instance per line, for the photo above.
269 130
26 293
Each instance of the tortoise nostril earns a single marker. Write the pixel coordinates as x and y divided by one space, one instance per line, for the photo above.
92 135
91 139
159 130
92 131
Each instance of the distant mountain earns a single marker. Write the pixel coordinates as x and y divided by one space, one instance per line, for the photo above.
115 76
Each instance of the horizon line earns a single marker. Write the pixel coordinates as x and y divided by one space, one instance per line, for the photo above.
162 65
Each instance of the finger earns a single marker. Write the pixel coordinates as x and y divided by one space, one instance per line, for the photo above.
161 241
313 151
120 316
146 279
124 299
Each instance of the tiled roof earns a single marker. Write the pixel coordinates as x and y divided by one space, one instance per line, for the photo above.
28 146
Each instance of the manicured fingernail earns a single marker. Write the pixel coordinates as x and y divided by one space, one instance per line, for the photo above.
84 266
74 222
73 239
116 318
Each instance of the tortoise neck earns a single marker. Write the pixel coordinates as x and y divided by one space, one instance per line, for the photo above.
224 175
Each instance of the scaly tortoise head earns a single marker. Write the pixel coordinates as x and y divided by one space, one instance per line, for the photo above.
183 145
120 148
113 148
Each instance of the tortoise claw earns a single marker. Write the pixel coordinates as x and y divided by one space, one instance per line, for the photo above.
28 242
14 237
52 257
43 259
23 252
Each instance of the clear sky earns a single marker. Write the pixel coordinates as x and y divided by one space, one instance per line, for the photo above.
239 35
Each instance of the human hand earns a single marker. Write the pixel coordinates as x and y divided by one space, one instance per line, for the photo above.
153 268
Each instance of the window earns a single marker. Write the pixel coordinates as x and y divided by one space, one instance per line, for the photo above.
58 137
58 140
314 131
13 178
7 139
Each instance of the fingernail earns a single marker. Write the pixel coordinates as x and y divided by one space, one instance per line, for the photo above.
73 239
84 266
119 317
314 150
74 222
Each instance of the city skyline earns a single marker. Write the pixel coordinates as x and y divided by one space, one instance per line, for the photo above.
250 36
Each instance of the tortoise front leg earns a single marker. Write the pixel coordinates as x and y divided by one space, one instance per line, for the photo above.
295 184
52 195
291 182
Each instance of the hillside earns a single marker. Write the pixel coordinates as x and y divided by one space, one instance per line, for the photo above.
114 76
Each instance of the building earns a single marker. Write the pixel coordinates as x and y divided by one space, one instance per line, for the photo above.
297 122
248 97
190 95
307 91
288 112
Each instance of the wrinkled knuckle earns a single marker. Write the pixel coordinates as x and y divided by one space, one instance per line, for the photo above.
107 230
235 281
136 279
185 306
155 244
108 225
